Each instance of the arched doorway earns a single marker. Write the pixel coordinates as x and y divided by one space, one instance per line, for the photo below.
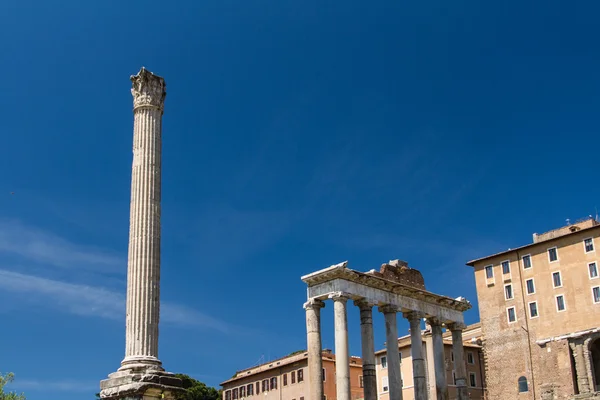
595 359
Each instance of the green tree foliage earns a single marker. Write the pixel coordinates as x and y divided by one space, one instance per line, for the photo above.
6 379
196 390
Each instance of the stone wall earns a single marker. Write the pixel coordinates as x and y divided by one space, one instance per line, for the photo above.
399 271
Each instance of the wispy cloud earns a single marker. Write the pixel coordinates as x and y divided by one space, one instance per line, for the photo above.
45 247
50 386
85 300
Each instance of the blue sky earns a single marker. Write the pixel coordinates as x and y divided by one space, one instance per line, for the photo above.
296 135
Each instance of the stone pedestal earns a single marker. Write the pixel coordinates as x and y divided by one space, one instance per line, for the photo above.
141 375
142 385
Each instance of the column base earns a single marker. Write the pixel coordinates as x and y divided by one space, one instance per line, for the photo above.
140 384
141 363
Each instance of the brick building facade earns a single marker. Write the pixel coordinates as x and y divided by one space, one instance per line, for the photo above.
540 313
287 379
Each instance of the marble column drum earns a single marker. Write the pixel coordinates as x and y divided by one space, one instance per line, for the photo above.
392 353
342 350
368 349
439 361
416 350
314 347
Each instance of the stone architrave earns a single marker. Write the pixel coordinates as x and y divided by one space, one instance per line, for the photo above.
141 373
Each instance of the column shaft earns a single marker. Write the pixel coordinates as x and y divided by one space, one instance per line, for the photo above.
441 384
315 359
143 262
368 350
342 356
393 355
460 369
416 350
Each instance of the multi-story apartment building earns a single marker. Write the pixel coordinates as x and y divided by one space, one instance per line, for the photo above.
473 361
285 379
539 306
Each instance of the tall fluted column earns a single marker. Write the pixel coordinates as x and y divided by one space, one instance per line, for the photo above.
441 384
342 350
143 263
368 349
313 343
416 350
393 355
458 351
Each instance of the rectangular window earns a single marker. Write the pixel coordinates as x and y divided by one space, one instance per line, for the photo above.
489 271
324 374
285 379
293 374
257 387
533 310
454 378
553 254
556 279
228 395
384 384
383 362
589 245
560 303
250 389
596 294
452 356
400 356
593 270
274 383
235 394
508 292
506 267
526 261
470 357
361 382
530 286
472 379
300 375
243 391
511 314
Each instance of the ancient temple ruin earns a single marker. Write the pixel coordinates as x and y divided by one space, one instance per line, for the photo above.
394 289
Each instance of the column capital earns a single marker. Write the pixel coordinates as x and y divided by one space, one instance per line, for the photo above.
413 315
313 304
364 304
434 321
456 326
339 296
388 308
148 90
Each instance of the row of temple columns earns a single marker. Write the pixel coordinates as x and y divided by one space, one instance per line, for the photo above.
342 364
